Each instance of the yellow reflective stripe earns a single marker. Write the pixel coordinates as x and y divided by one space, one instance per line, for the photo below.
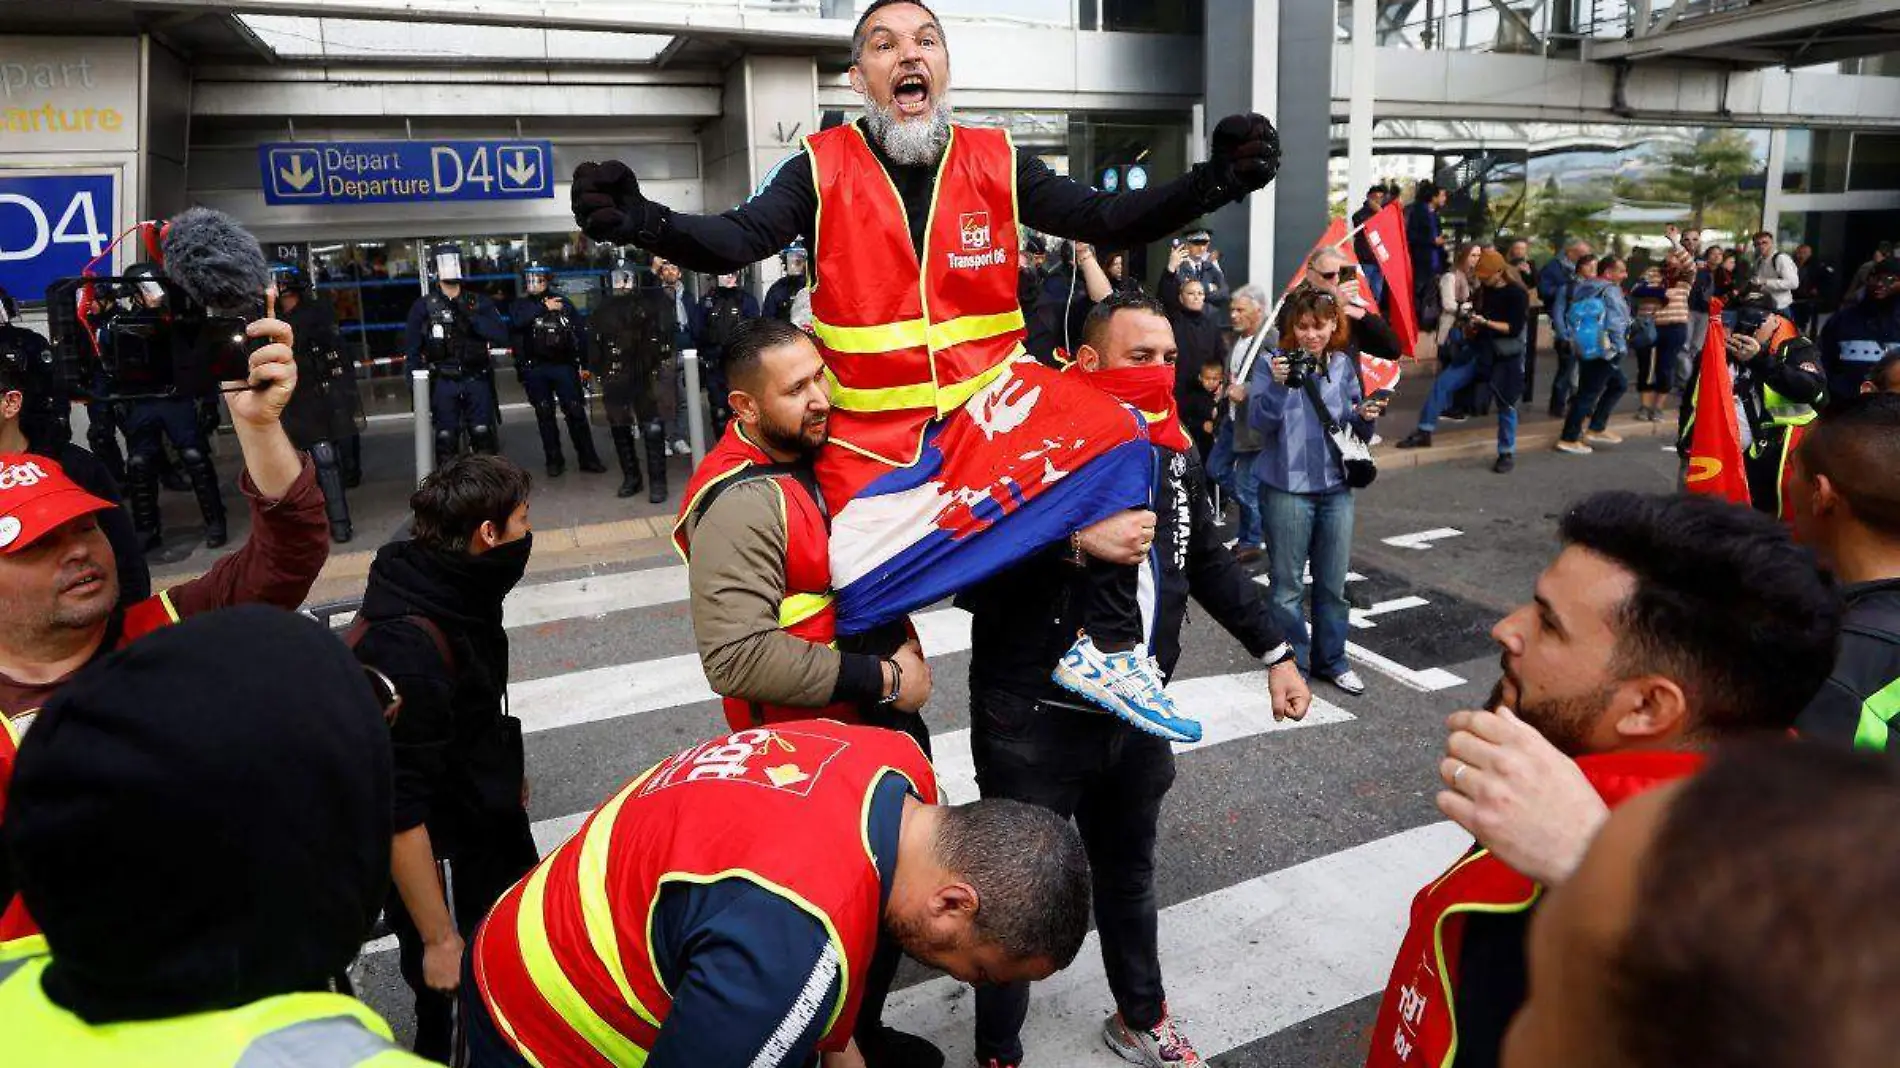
920 395
1153 417
554 986
888 337
973 328
165 598
799 607
596 910
1438 946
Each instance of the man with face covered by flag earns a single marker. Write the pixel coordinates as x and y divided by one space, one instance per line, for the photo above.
940 431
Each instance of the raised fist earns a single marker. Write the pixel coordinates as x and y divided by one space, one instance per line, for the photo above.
607 203
1246 153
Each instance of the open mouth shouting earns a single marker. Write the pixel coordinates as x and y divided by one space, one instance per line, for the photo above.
910 93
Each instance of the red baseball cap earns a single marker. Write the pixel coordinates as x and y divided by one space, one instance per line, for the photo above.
36 497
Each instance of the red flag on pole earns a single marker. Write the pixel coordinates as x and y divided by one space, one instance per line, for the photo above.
1385 235
1715 438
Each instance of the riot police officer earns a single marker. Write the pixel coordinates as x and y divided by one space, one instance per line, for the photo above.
547 331
629 341
47 418
778 298
139 358
322 411
449 333
720 313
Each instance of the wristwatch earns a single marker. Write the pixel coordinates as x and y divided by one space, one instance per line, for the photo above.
1278 655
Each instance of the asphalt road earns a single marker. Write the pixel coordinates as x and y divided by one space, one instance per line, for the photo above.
1287 856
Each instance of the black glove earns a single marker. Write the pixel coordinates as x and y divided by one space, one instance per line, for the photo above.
608 205
1245 157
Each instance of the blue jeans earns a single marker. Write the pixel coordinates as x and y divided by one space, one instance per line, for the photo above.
1506 380
1233 472
1315 527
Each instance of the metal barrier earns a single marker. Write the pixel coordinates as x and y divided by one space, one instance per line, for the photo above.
424 432
695 406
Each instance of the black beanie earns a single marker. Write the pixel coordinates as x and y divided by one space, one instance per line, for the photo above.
202 819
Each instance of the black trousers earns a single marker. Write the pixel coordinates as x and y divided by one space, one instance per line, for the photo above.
1111 779
485 865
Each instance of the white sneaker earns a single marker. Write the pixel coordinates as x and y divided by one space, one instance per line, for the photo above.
1160 1046
1350 682
681 448
1574 448
1127 684
1603 437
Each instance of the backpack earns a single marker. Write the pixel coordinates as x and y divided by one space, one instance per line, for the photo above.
1583 321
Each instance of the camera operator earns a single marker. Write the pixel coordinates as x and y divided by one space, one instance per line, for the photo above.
322 414
449 333
1778 383
58 585
149 422
1495 327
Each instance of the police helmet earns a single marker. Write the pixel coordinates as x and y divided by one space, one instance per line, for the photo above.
289 277
445 261
620 279
536 277
794 251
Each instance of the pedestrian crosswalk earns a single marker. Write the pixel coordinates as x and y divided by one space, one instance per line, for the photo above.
1259 951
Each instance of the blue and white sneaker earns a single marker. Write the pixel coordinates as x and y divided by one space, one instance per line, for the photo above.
1127 684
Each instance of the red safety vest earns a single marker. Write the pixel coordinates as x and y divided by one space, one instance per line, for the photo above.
1417 1026
807 610
905 341
564 962
140 619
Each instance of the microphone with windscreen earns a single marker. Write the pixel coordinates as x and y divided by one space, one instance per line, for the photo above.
220 269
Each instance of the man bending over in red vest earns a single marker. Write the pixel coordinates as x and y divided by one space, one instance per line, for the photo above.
1667 624
941 428
59 587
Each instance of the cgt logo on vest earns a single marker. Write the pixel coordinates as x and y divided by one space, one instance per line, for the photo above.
774 759
974 228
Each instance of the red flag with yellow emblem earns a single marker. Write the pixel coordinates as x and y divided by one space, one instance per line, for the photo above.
1715 435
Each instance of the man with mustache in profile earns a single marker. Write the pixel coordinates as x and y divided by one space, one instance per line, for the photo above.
951 457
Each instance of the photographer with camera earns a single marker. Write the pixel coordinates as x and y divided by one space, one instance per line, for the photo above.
1494 327
449 333
321 417
1778 384
149 421
1301 401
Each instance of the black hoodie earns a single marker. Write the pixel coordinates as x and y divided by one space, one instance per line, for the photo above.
458 756
201 820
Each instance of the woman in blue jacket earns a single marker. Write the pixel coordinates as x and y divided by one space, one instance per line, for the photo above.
1304 499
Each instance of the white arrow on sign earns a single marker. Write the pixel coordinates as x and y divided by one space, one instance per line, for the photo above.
297 176
1423 539
521 168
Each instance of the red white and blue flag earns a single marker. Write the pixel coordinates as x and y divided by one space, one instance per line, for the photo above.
1031 458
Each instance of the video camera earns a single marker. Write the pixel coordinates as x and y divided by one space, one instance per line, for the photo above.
141 337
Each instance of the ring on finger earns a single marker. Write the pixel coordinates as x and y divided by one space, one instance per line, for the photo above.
1458 773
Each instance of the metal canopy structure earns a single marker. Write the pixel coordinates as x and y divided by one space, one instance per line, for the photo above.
1763 33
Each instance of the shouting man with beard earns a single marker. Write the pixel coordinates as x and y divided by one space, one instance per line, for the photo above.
1667 625
952 456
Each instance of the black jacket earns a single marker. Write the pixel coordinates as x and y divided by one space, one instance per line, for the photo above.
458 754
1015 648
318 409
1196 334
1853 341
1866 668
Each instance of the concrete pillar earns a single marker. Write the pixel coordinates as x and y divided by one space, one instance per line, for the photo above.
1771 194
1365 42
1274 57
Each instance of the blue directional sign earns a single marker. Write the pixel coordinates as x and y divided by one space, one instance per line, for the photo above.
50 227
389 172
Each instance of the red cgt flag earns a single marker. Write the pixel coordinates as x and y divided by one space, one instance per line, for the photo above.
1385 235
1715 438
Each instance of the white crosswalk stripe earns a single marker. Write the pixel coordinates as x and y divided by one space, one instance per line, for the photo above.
1242 963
